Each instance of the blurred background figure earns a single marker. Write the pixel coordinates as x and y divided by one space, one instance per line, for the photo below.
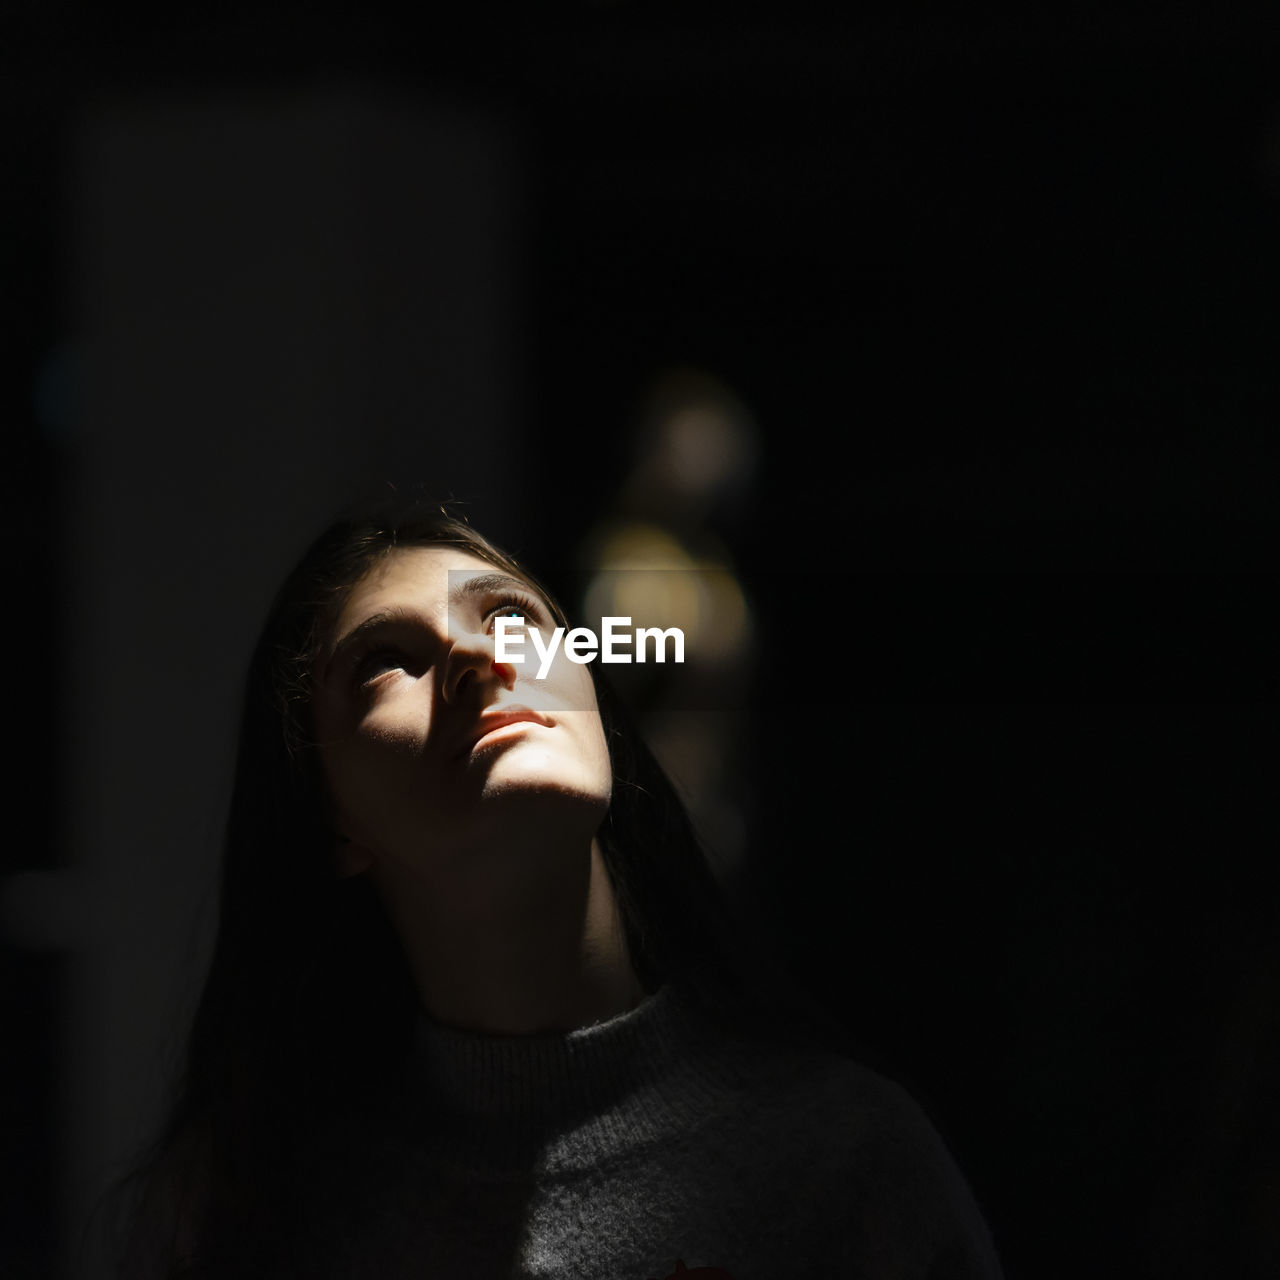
663 556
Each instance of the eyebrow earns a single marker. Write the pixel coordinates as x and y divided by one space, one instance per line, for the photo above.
479 585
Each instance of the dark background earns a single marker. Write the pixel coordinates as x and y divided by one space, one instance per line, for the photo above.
1001 295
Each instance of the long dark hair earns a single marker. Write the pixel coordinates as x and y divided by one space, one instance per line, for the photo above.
308 1009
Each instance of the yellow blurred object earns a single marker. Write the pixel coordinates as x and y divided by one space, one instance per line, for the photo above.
645 574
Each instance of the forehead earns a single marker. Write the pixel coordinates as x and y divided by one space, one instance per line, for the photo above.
411 577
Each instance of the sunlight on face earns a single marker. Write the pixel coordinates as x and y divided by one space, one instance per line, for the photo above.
430 749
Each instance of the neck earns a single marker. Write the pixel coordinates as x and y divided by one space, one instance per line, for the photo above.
534 944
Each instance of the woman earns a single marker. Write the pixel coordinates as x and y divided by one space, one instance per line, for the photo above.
475 1009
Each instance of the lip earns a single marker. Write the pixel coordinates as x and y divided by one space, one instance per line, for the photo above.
500 719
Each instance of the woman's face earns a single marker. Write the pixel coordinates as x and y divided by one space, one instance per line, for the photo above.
429 748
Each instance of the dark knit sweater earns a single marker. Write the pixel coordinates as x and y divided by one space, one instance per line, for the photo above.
653 1143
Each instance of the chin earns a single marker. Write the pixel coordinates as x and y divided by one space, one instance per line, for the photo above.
550 786
550 789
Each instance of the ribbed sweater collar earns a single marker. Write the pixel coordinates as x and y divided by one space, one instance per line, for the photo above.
567 1100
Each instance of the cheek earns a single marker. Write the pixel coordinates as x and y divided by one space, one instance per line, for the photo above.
571 685
365 770
593 730
605 764
390 724
349 779
573 694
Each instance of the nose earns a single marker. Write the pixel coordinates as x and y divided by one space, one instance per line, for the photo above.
471 661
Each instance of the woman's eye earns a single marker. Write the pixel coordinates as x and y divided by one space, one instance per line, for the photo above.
525 610
372 665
